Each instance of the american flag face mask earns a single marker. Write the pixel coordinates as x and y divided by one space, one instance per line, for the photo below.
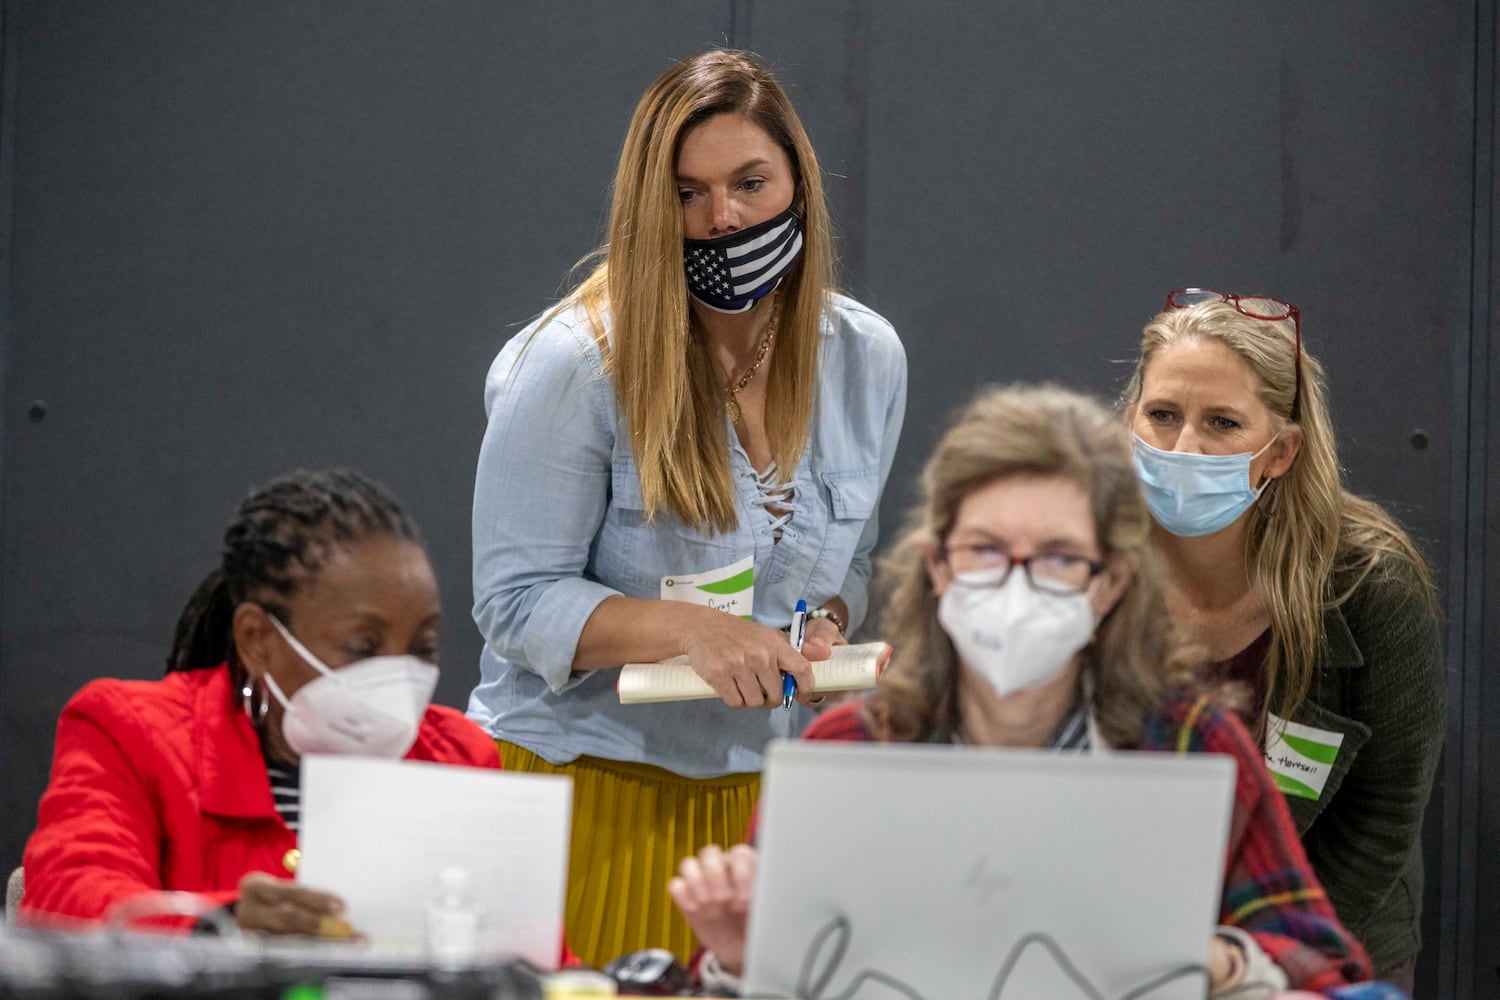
731 273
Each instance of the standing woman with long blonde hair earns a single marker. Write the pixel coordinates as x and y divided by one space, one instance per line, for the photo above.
1313 597
703 426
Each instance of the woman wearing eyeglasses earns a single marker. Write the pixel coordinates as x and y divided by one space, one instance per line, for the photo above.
1026 611
1313 597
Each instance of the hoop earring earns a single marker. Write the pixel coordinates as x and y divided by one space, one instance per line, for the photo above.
257 717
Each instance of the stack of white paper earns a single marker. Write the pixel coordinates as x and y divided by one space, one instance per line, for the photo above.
379 833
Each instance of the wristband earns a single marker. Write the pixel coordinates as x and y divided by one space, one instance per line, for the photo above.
838 623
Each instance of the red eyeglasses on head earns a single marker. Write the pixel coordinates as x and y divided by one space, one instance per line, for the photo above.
1254 306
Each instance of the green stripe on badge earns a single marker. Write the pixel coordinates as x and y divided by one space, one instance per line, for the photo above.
733 585
1291 786
1320 752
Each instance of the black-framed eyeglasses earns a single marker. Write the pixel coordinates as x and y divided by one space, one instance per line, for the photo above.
1256 307
983 565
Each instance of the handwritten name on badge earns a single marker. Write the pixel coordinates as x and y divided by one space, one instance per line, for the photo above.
1300 757
729 588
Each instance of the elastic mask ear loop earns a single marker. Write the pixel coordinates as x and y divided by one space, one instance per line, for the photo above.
1265 480
275 690
1088 595
300 650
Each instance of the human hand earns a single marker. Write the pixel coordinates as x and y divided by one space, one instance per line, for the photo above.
1226 964
818 641
743 661
713 891
270 905
825 633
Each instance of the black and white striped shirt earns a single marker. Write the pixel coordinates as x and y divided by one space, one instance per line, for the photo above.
1072 732
286 792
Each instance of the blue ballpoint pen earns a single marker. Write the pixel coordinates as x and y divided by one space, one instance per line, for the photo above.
799 627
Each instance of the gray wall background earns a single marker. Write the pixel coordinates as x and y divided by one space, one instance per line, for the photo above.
242 237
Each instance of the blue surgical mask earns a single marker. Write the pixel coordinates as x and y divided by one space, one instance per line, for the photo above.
1192 495
731 273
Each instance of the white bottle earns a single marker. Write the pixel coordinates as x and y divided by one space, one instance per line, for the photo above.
453 919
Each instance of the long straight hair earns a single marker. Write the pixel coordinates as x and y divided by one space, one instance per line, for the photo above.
1311 542
1136 654
665 380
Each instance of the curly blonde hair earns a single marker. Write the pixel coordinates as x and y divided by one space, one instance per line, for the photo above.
1029 431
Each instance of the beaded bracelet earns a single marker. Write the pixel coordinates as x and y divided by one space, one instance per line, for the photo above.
838 622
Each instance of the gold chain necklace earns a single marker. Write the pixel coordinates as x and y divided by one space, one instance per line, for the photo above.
731 391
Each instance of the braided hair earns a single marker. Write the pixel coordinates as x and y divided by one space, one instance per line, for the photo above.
282 535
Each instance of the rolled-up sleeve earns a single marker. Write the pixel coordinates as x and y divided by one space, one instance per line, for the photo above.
855 590
540 495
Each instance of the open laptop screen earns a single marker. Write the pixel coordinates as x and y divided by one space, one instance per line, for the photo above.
920 870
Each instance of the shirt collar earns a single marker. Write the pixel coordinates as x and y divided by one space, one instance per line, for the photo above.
1078 731
1343 651
231 770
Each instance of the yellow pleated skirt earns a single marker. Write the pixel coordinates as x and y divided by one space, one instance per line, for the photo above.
632 825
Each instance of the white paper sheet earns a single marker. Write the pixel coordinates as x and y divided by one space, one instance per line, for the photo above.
379 833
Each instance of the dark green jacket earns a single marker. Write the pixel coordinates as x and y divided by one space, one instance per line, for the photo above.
1381 684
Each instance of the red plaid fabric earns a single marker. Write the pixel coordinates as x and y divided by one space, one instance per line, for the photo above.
1269 887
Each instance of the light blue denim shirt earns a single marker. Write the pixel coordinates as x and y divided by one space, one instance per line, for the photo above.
559 526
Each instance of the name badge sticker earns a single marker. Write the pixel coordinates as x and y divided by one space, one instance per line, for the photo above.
730 588
1300 757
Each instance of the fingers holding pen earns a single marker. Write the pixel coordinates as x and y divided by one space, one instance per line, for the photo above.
797 666
822 632
743 660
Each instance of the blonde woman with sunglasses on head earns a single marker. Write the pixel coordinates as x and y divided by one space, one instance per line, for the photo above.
1313 597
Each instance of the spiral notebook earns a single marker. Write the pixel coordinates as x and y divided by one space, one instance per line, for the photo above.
850 668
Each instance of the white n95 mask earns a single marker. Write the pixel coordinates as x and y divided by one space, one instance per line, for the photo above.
371 708
1013 634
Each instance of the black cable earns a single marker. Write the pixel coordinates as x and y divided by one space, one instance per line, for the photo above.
1256 987
1058 955
812 991
879 977
1181 972
840 925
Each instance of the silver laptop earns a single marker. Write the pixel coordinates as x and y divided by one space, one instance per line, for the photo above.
934 872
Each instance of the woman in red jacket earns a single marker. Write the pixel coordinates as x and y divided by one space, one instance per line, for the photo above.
317 633
1026 611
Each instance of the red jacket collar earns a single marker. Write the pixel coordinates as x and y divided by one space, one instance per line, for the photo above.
231 771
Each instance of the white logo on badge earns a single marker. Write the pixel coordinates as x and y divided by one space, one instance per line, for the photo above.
729 588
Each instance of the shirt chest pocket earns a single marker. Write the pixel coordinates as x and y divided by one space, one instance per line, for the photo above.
632 554
852 496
